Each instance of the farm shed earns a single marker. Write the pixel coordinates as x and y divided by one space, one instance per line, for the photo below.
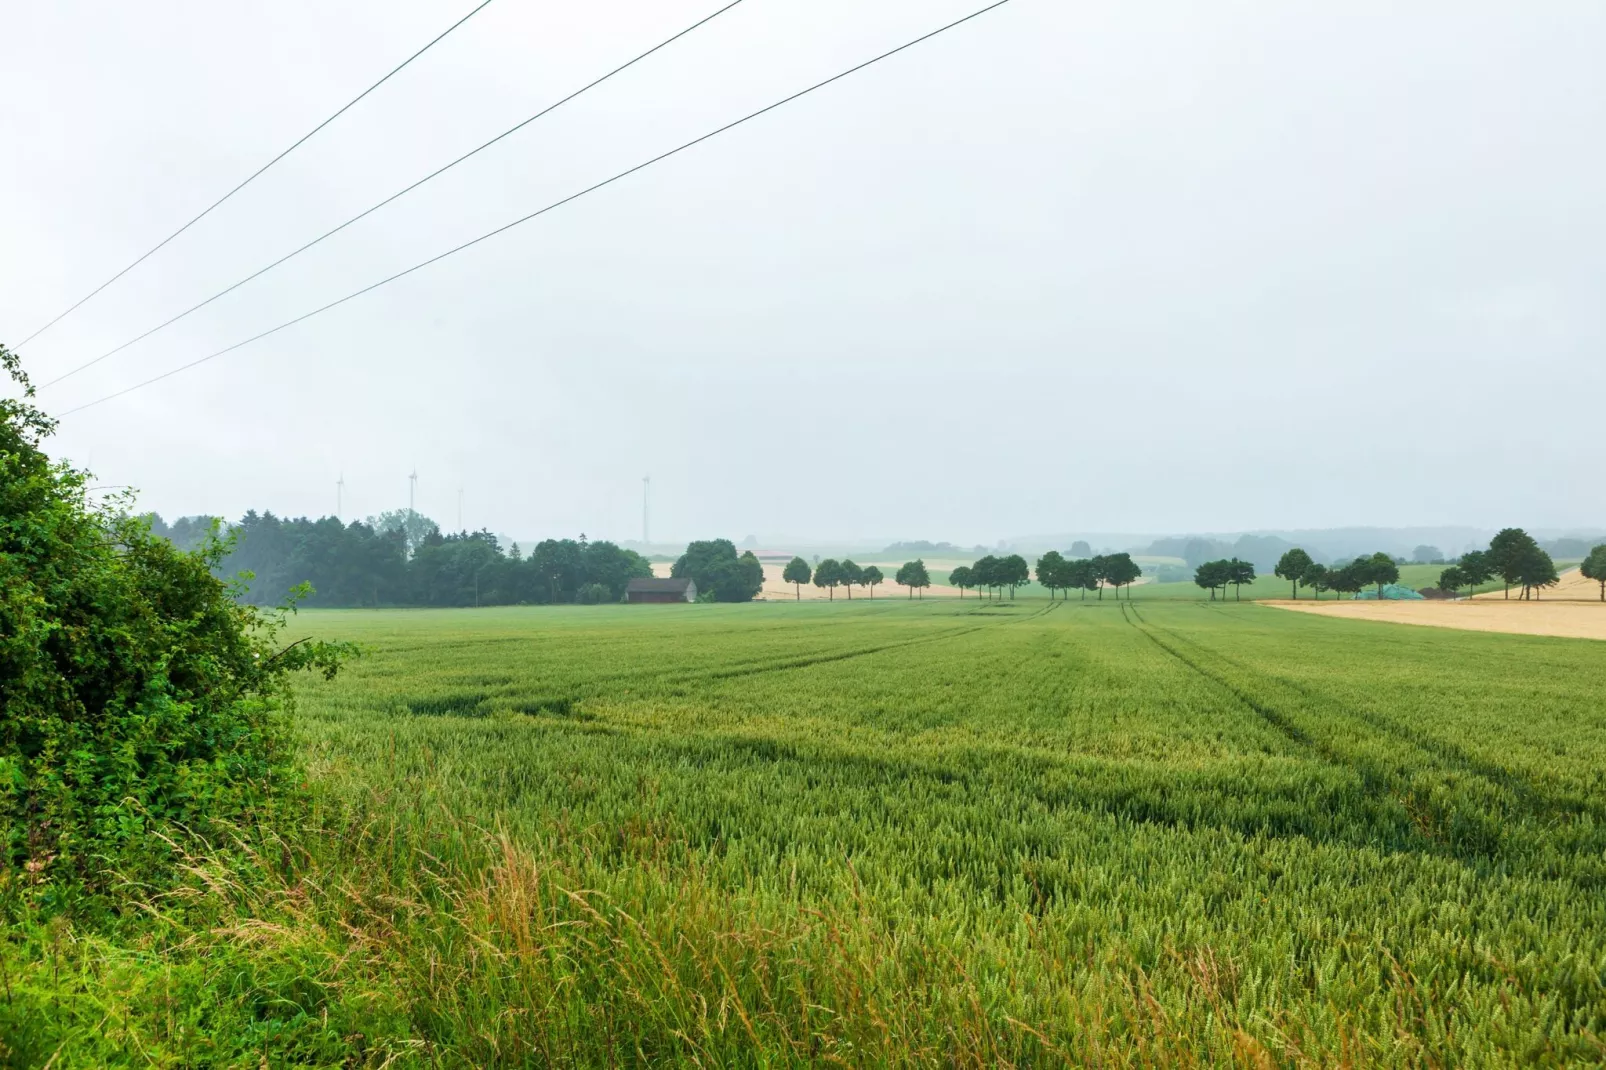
661 590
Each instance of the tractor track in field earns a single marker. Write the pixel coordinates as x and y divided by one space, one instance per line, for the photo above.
1445 754
1527 799
846 655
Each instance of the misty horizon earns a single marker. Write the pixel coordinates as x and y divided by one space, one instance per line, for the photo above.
1146 270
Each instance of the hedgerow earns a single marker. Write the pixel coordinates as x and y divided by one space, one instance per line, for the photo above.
139 702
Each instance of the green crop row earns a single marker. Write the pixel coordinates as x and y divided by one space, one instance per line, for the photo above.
932 834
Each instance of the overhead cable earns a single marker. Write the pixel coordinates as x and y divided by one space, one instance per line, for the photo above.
539 212
394 196
254 175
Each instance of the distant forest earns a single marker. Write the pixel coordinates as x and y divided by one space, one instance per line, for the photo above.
403 559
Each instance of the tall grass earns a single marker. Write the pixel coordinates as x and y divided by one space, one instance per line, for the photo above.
889 835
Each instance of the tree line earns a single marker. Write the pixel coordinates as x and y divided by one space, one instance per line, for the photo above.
830 574
402 560
1513 556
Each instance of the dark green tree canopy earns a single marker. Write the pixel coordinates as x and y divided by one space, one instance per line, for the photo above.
1509 553
963 577
717 570
1594 568
1292 567
1212 576
1119 570
1476 567
828 575
797 573
852 575
913 575
1051 569
1012 572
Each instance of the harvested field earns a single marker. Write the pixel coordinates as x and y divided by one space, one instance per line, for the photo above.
1574 587
1574 619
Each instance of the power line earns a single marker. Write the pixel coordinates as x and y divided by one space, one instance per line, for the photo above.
255 174
541 211
394 196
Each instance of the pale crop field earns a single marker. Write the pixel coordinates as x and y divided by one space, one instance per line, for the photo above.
950 834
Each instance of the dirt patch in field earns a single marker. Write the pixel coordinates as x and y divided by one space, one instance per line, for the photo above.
1573 619
777 589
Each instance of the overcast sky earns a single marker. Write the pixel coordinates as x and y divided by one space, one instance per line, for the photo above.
1072 266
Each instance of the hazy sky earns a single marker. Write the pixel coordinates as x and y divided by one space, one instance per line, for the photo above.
1073 266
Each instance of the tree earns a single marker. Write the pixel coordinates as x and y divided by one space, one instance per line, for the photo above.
962 577
852 575
1315 577
1119 570
1535 571
414 526
716 569
828 575
1380 569
1211 575
1292 567
1051 571
1080 548
1427 555
1452 579
1013 572
797 573
985 573
1096 566
1508 553
914 576
1476 568
1238 574
1593 567
1349 579
1081 575
870 577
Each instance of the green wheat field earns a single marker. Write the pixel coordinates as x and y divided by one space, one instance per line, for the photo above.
939 833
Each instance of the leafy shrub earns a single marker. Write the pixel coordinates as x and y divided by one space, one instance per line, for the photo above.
137 698
594 594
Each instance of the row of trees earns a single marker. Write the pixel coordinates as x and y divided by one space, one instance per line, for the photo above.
1513 556
1297 567
992 574
369 563
1058 573
831 574
1216 576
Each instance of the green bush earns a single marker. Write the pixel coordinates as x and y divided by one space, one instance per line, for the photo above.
138 700
594 594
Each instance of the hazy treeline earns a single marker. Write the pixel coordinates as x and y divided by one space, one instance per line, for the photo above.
404 560
1265 551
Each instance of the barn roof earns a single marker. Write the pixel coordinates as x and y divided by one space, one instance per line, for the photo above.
658 585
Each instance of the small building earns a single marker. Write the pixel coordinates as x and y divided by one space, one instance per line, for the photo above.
660 590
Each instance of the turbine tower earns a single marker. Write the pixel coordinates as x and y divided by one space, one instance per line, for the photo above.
412 490
340 495
646 484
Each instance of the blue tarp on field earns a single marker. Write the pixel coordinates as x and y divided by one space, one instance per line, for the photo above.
1390 591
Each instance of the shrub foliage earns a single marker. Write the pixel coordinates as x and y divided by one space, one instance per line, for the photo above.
137 698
